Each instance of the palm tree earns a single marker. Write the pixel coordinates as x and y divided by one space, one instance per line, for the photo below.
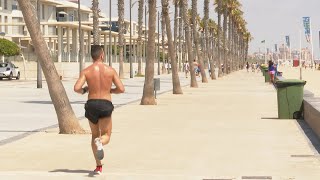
175 30
175 77
139 40
233 11
218 3
188 42
224 39
121 37
206 35
68 123
196 40
180 34
95 12
148 94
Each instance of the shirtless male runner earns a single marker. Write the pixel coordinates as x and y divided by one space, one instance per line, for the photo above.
99 107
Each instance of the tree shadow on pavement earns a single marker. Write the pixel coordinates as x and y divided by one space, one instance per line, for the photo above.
75 171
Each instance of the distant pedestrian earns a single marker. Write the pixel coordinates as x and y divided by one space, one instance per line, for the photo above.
186 68
271 70
247 66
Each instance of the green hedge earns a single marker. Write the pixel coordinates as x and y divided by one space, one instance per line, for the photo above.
8 48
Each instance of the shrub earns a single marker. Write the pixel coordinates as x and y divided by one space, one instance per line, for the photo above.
8 48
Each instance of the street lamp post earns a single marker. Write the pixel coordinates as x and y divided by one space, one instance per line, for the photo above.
158 43
81 63
110 43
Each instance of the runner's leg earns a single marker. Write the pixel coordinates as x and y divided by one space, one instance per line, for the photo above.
95 134
105 125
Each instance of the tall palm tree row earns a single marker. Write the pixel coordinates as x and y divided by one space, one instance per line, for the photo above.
230 36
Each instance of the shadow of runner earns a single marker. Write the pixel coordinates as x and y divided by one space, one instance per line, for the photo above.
75 171
313 138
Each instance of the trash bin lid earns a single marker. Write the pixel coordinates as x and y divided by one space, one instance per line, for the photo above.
289 82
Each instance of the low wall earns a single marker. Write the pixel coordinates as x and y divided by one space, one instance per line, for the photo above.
311 113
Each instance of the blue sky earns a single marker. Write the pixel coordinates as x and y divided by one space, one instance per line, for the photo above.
269 20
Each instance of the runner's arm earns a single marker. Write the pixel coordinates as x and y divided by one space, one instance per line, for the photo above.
117 82
80 82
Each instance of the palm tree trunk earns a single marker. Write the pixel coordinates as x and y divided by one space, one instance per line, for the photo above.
148 89
225 23
196 40
175 77
206 31
180 36
68 123
162 43
188 42
229 45
219 38
121 29
139 40
175 31
95 12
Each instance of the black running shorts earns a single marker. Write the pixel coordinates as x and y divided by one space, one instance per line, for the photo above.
98 108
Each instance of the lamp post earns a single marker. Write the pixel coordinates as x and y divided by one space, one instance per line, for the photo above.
158 43
130 45
110 43
81 64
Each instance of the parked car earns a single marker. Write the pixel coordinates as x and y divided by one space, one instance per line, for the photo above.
9 70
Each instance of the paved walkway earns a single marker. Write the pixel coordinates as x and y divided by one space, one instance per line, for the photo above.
226 129
25 109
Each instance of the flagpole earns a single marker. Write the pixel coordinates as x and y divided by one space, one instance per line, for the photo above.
265 52
312 58
300 57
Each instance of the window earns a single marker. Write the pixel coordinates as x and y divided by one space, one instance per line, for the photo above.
5 4
6 27
15 5
43 12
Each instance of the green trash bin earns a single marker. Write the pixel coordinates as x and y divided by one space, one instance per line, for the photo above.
263 70
266 76
290 98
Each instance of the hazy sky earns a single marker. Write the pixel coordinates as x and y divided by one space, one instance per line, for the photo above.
269 20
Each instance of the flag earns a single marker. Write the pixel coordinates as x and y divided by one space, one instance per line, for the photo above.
306 24
288 41
276 47
263 41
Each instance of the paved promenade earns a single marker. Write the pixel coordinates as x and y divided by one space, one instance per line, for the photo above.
25 109
226 129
